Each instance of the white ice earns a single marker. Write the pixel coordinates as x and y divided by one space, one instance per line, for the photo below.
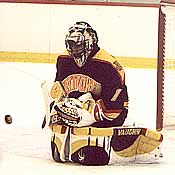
25 147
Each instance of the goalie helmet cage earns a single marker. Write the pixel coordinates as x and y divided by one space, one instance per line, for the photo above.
166 65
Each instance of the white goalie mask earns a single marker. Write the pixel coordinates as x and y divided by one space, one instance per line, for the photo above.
80 42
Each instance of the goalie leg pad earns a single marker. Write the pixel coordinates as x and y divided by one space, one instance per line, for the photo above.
100 146
55 150
60 143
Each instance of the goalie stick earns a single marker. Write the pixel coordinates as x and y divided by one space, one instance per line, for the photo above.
47 101
50 92
57 91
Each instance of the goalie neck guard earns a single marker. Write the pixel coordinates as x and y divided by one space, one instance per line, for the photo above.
80 42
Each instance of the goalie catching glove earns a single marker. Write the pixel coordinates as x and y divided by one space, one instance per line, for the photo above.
80 112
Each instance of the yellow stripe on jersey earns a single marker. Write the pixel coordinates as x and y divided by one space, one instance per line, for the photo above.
105 56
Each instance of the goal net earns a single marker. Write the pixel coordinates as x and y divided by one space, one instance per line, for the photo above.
166 66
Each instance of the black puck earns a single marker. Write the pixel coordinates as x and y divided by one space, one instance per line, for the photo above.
8 119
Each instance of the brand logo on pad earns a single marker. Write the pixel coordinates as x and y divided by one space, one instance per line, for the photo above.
129 131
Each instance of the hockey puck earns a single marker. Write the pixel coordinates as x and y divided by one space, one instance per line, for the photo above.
8 119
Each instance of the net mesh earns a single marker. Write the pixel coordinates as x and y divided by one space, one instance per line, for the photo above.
169 65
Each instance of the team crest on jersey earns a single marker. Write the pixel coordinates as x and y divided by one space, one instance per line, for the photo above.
82 83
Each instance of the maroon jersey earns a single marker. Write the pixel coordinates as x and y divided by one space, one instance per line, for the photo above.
101 75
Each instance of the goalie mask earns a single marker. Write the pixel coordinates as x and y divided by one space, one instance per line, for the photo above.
80 42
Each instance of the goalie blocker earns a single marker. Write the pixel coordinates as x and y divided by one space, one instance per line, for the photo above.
102 146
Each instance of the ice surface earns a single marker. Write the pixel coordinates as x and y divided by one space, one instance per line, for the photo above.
25 147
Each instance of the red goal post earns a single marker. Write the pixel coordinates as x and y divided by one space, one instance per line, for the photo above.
166 65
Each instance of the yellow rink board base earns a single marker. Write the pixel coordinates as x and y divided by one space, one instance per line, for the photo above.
31 57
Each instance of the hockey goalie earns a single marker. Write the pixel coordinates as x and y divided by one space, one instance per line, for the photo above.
87 106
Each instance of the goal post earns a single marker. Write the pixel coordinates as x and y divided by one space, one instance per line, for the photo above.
166 65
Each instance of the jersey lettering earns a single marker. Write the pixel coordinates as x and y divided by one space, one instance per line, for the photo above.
82 83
